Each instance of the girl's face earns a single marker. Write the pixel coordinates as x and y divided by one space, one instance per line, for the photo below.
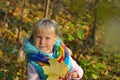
45 41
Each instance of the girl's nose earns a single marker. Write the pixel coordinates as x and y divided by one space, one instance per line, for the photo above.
42 41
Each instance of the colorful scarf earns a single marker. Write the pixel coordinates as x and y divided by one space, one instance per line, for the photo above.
39 59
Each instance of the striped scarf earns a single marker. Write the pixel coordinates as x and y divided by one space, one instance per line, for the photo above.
39 59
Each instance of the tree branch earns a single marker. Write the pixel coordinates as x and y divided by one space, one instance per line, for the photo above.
46 8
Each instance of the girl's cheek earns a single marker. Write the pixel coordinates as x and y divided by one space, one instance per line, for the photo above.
36 43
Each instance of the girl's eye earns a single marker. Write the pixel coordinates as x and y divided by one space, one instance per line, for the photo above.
38 37
47 38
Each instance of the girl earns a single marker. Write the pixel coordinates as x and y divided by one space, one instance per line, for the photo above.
44 45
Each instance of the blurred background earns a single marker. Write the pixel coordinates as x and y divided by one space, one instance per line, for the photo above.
90 28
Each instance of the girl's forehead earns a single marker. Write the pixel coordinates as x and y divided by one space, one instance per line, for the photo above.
44 31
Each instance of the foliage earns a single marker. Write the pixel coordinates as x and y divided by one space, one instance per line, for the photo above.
75 20
92 69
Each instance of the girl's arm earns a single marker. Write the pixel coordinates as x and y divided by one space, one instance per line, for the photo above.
32 74
68 49
75 71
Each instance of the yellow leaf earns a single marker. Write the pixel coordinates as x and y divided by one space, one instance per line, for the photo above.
85 28
53 77
17 12
26 18
1 53
55 70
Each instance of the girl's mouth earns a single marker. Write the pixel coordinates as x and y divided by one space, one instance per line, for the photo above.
41 46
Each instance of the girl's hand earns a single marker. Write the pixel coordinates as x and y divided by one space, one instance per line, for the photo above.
72 75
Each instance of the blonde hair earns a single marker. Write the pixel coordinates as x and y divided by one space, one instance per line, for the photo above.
45 26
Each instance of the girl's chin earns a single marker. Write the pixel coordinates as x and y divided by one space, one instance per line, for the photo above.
46 51
42 50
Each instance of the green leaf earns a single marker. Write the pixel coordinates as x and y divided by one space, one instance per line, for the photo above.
80 34
85 62
117 61
94 76
100 66
70 37
117 78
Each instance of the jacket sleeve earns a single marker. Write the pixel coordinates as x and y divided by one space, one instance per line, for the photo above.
76 67
32 74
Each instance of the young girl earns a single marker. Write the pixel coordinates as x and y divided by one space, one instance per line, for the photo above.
43 45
